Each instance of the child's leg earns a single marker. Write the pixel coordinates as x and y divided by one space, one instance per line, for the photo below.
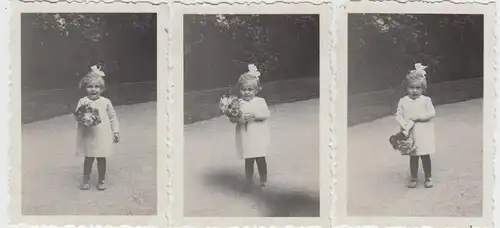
87 166
101 168
249 163
414 167
413 171
426 163
87 169
262 167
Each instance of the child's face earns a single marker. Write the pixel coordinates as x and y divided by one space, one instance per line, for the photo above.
94 90
248 91
415 89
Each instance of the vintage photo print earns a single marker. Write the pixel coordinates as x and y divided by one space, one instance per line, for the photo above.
416 142
85 115
249 145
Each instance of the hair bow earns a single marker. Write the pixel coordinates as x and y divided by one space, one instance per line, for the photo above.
420 69
253 71
97 71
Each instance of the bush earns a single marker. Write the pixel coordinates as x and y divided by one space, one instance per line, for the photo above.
384 47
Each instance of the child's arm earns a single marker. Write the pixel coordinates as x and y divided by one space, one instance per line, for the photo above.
262 112
430 111
399 115
115 126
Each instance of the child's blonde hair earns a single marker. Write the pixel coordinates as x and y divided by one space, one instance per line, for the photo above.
417 75
94 75
246 79
251 77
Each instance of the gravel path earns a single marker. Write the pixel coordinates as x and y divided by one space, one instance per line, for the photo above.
214 176
377 174
51 172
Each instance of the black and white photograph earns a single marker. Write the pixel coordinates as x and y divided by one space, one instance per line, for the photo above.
88 112
419 112
251 115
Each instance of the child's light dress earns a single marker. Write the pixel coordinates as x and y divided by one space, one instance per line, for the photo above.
253 137
422 132
97 141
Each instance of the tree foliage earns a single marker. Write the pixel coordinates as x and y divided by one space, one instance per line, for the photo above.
384 47
218 48
57 49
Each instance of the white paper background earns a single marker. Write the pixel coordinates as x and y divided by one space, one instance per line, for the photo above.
4 90
4 114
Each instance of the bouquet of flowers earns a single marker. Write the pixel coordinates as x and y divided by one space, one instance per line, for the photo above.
402 143
230 106
87 116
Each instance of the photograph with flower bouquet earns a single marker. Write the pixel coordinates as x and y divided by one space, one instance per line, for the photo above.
88 96
251 115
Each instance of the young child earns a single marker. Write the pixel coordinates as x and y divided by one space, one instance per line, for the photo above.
252 132
96 141
414 114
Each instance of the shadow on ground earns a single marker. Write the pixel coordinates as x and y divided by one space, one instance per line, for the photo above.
276 201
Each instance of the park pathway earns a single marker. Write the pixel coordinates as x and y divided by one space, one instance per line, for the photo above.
214 176
377 175
51 172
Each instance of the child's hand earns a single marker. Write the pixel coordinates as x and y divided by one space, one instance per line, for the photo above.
116 137
247 116
415 118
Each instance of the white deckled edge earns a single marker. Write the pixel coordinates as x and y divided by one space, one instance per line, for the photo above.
231 2
170 109
5 114
250 2
152 2
188 2
335 9
496 50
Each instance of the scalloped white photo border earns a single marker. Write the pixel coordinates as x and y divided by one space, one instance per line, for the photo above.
6 114
176 72
489 109
14 187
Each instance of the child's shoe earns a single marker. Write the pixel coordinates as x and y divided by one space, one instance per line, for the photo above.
412 183
85 183
428 183
101 186
263 185
84 186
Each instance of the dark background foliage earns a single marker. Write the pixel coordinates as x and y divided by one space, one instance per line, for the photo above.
384 47
58 49
218 48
